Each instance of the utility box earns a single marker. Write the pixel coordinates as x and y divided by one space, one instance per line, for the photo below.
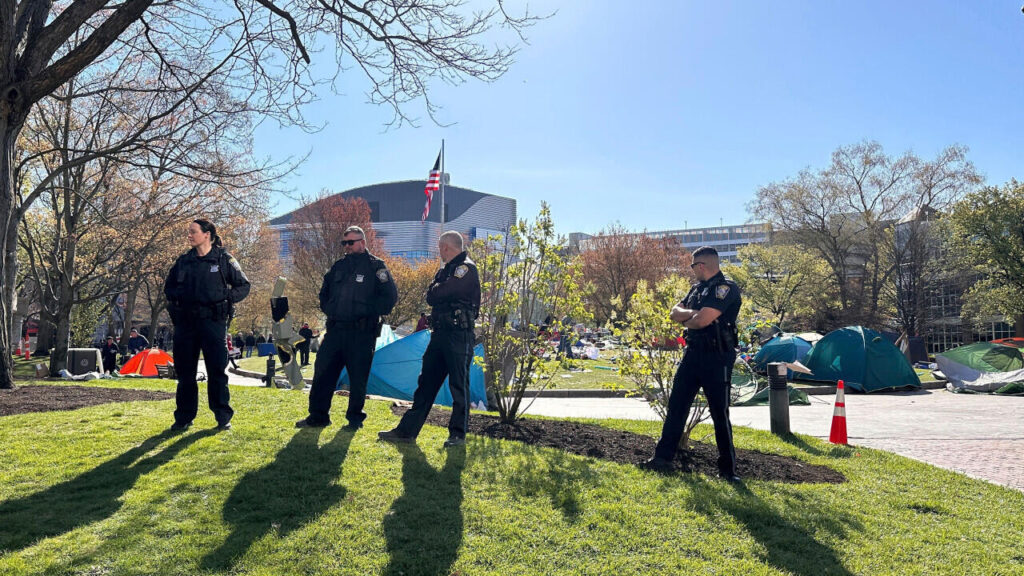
84 360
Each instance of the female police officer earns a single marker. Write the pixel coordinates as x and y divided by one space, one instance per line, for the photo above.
202 288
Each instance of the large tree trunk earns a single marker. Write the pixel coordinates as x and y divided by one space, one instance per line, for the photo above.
1018 326
59 354
12 119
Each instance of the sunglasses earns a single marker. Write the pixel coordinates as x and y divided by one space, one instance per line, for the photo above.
695 264
349 242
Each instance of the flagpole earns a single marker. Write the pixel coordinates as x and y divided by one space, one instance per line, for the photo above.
442 185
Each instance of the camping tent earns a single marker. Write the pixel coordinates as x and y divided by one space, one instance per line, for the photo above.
1012 341
782 348
863 359
981 367
144 363
396 369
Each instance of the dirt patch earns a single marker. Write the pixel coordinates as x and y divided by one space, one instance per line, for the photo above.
25 399
629 448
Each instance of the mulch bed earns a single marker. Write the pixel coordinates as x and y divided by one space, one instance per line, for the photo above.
629 448
25 399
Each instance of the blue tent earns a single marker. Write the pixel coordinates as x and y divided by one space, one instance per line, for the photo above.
396 370
782 348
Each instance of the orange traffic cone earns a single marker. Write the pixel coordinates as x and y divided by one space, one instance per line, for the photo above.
838 433
28 353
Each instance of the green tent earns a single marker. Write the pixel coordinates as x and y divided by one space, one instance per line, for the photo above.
986 357
862 358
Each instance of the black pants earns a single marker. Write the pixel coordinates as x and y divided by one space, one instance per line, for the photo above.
304 353
704 368
342 348
192 335
448 356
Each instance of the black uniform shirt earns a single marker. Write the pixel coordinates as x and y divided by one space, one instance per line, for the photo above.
455 286
206 280
717 292
358 286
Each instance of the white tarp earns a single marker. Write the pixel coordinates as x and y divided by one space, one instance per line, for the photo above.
964 378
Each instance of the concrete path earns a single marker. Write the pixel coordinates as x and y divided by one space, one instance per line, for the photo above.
979 435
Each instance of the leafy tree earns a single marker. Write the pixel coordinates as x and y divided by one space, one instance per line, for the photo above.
524 279
986 236
412 279
649 359
616 260
782 281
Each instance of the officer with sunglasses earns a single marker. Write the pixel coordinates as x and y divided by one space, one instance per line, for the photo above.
356 293
709 314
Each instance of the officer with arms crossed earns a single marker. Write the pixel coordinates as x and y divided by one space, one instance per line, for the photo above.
356 292
709 314
202 288
454 296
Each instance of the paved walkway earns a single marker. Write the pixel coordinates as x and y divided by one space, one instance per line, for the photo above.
979 435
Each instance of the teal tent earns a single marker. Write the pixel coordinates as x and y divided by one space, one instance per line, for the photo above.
782 348
396 369
862 358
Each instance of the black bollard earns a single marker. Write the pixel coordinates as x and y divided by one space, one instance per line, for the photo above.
271 368
778 398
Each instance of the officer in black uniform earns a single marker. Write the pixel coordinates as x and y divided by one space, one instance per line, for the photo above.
454 296
202 288
709 314
357 291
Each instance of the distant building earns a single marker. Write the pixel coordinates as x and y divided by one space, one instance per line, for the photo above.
726 239
396 208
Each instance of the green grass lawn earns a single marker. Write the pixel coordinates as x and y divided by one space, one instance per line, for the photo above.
106 490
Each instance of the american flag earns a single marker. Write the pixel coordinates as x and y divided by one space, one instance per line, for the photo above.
433 185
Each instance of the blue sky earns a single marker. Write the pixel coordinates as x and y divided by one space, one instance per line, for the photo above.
673 113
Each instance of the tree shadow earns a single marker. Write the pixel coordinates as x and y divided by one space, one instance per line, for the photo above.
790 546
89 497
424 527
285 495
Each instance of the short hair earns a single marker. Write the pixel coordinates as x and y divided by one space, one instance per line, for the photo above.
355 229
453 239
706 252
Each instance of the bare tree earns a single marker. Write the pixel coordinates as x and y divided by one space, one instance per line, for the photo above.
259 49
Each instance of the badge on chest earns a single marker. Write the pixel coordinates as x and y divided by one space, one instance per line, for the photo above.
359 277
215 268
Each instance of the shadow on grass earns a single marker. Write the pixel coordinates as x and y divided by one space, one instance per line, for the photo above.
831 450
550 472
89 497
424 527
285 495
789 538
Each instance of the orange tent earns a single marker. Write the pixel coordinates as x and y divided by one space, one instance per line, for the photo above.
1016 342
144 363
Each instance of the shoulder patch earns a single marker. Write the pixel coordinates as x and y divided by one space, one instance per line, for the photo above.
234 263
382 275
461 271
721 291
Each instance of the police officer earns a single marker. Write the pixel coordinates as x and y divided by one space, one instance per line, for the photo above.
356 292
454 296
709 314
202 288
